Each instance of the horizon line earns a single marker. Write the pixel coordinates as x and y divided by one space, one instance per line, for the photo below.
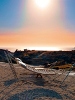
23 49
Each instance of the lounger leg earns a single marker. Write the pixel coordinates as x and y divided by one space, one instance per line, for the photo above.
39 75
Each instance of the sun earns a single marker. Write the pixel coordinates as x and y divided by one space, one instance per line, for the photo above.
42 3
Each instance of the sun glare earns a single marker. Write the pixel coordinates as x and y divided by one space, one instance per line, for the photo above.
42 3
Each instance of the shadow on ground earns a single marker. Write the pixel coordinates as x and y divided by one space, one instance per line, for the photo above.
36 93
39 81
9 82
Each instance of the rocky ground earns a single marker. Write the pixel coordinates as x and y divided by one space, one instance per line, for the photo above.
28 87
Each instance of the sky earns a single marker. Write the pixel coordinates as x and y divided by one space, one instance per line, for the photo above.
37 24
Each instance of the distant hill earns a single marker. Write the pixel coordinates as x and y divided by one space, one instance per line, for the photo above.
34 57
2 55
43 57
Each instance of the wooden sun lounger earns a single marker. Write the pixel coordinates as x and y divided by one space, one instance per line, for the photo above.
37 70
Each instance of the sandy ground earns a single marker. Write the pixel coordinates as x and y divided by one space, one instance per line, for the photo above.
28 87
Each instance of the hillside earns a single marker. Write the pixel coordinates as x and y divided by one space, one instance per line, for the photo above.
2 55
44 57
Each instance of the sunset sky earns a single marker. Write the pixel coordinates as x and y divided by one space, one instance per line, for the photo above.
37 24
